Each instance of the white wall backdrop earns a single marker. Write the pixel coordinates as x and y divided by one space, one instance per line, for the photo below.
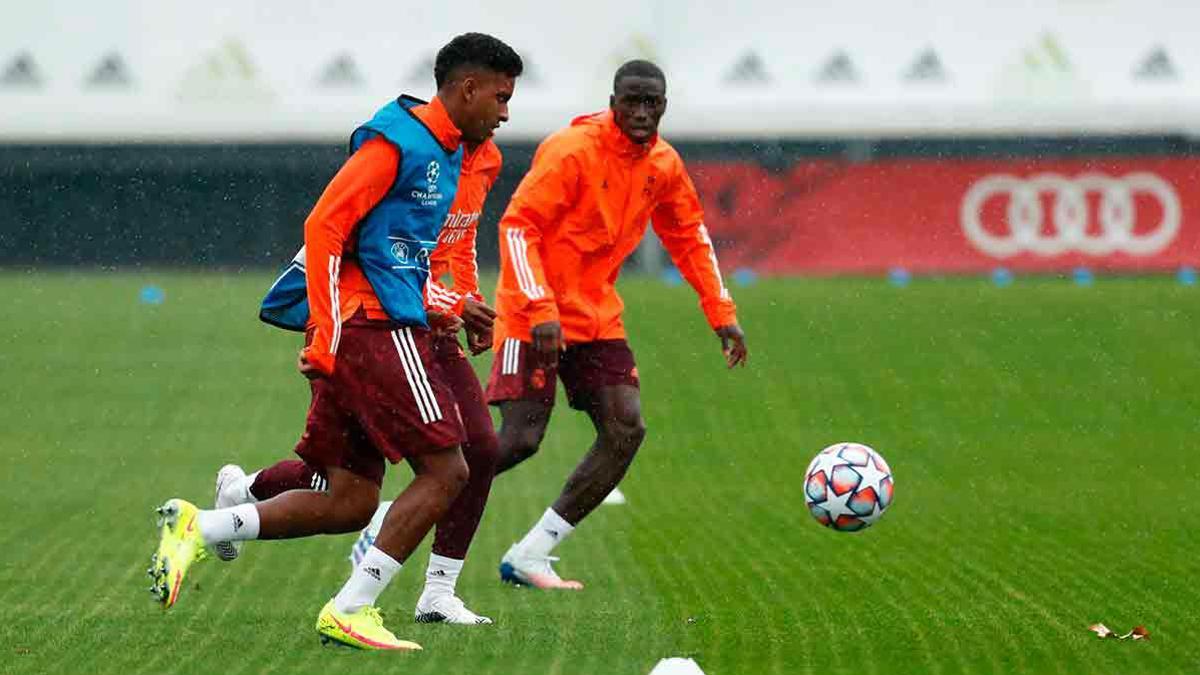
72 70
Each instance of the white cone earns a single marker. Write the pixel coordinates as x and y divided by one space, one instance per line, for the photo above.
677 666
615 497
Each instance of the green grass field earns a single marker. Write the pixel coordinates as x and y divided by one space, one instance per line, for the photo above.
1043 438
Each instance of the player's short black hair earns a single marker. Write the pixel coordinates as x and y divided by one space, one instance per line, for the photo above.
475 49
639 68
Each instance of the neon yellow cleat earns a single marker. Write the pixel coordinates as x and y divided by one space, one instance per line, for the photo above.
362 629
180 545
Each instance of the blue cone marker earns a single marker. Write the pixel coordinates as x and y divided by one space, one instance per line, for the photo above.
152 295
744 276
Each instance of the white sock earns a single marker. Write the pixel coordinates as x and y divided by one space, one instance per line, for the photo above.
441 576
549 531
236 523
366 582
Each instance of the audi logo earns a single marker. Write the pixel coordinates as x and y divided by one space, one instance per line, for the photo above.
1072 225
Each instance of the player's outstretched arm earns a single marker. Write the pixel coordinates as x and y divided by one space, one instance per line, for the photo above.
679 222
545 193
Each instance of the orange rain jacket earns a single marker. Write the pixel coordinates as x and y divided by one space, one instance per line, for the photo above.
455 252
579 213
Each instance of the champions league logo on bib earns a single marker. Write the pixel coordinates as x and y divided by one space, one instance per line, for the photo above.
431 175
431 196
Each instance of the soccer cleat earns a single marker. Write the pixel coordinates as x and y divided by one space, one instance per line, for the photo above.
520 569
228 494
179 545
443 608
362 629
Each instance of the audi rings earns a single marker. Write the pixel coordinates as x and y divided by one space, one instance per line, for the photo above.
1072 228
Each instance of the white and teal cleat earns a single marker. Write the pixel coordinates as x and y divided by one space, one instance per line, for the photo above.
519 569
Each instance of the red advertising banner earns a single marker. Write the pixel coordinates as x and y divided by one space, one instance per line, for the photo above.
930 215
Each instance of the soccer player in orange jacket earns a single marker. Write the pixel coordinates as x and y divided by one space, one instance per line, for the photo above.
454 255
577 215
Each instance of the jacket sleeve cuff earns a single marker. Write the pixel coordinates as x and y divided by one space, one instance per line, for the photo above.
542 313
322 360
719 312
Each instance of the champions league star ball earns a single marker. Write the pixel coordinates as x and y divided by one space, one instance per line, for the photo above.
848 486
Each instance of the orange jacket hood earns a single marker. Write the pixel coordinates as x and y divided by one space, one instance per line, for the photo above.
611 135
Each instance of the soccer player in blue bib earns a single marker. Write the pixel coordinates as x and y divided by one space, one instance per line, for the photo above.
377 393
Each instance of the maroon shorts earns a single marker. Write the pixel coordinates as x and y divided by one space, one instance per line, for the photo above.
387 398
519 374
468 394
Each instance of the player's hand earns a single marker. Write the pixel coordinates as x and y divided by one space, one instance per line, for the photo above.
307 369
444 325
477 316
478 342
548 341
733 345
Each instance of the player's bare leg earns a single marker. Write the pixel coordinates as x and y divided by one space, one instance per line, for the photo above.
440 476
347 506
616 414
454 531
235 486
522 427
187 531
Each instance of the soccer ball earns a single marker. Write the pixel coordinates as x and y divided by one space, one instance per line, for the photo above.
848 486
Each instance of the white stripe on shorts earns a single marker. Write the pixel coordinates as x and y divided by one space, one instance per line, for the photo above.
410 358
512 353
424 379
